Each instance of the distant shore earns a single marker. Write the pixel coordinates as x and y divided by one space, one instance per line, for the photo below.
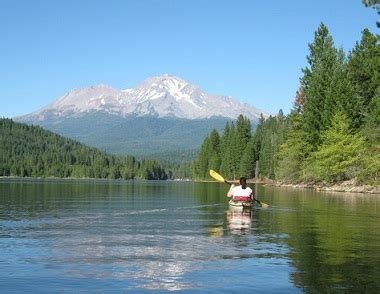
351 186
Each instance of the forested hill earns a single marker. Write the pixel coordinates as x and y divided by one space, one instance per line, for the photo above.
332 133
31 151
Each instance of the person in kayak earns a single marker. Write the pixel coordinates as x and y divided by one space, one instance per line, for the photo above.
242 192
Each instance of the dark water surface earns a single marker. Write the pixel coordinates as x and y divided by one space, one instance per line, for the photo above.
120 236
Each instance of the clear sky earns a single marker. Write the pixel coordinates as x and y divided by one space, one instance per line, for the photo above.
252 50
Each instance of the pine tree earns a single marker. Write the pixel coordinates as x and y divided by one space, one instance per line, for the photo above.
371 126
32 151
371 131
339 156
338 97
209 156
364 68
375 4
319 84
201 163
266 153
247 164
225 150
239 142
292 153
215 160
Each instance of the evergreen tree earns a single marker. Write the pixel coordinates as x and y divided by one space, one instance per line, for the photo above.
292 153
225 150
30 151
320 84
371 131
258 136
209 156
269 135
339 155
267 149
371 126
201 163
375 4
215 160
363 68
247 164
338 99
239 142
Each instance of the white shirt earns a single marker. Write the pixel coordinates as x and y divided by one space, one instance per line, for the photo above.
238 191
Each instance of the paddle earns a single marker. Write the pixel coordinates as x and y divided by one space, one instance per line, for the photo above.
219 178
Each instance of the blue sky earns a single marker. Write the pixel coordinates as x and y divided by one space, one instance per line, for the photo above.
252 50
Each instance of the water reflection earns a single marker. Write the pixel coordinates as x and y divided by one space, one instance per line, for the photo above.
239 220
141 254
119 236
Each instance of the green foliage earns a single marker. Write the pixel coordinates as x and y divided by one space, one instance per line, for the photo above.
371 131
326 86
333 131
238 142
225 153
238 150
209 155
151 170
30 151
226 149
339 157
375 4
371 125
363 69
292 152
247 162
141 136
370 172
270 134
333 84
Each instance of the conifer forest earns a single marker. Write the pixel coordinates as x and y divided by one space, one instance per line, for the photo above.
332 133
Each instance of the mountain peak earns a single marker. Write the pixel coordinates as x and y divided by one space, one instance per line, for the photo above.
160 96
165 81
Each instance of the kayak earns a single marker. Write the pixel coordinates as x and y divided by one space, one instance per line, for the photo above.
241 204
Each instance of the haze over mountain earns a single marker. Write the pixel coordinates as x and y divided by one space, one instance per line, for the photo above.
163 113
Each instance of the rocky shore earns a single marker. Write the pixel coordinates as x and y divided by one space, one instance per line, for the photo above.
352 186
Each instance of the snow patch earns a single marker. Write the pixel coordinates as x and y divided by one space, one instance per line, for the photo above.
157 95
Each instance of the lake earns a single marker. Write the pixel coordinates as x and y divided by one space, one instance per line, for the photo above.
141 236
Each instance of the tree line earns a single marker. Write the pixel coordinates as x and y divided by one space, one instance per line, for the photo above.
332 132
31 151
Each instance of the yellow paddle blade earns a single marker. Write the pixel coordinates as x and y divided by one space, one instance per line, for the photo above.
264 205
216 176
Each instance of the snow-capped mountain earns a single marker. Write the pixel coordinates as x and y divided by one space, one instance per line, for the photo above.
160 96
163 114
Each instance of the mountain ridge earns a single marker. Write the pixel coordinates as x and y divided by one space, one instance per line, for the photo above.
163 114
158 96
138 136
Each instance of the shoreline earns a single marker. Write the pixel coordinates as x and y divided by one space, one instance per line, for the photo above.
351 186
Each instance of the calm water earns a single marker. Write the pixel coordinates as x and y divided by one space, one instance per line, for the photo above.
110 236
